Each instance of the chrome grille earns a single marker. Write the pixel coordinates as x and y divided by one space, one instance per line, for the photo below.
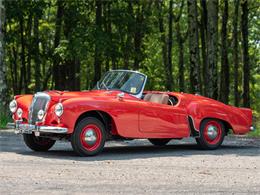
40 102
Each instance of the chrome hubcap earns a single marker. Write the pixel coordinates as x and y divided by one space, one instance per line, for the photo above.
90 137
212 132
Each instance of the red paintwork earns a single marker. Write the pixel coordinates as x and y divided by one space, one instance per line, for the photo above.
136 118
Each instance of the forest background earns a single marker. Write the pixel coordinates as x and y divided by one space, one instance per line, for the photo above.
210 47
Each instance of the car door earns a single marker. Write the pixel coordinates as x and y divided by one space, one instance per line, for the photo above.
163 119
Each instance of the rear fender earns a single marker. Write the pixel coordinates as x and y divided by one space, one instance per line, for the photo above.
199 112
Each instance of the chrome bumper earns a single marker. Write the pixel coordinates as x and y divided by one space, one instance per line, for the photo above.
29 129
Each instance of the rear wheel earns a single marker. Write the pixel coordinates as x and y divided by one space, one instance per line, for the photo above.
89 137
212 133
159 142
38 143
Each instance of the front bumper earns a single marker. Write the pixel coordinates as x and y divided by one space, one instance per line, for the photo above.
20 128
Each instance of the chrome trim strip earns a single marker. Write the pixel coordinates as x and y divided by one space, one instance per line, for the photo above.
193 123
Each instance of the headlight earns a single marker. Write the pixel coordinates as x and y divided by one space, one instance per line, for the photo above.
13 106
19 112
58 109
40 114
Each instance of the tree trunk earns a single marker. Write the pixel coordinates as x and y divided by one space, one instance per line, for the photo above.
203 33
169 83
23 82
15 70
128 44
108 28
138 37
246 65
77 75
194 47
3 84
180 41
162 34
98 52
224 82
37 64
56 75
212 48
29 49
235 52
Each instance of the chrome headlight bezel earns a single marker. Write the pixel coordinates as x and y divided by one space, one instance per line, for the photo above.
13 106
40 114
58 109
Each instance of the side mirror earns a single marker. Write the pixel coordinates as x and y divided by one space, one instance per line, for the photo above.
120 96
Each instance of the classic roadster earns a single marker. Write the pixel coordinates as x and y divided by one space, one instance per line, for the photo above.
119 108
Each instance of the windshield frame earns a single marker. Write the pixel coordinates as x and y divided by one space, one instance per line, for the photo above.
138 94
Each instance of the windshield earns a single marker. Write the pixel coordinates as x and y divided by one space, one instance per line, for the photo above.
126 81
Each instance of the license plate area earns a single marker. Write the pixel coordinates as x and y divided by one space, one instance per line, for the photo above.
26 128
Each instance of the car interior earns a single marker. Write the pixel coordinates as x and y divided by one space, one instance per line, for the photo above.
160 98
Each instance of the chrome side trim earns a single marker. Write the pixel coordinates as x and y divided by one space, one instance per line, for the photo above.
193 123
193 131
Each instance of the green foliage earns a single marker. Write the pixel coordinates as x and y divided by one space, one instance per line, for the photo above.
129 32
4 119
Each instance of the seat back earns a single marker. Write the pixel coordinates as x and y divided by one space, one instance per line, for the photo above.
159 98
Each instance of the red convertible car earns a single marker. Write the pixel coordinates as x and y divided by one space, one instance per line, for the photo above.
119 108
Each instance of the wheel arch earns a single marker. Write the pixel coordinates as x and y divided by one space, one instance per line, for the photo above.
104 117
226 124
195 131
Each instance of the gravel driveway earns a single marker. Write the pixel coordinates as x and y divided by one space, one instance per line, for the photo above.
132 167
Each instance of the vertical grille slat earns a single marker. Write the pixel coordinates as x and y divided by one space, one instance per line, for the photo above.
40 102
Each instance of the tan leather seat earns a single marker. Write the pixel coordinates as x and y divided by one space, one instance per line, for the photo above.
159 98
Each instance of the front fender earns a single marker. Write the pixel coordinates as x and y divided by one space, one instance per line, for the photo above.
75 107
23 102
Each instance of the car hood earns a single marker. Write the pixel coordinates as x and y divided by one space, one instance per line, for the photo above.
64 95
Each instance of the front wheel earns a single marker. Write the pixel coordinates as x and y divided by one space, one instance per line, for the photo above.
212 133
38 143
159 142
89 137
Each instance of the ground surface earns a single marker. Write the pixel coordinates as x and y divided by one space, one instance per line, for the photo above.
134 167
